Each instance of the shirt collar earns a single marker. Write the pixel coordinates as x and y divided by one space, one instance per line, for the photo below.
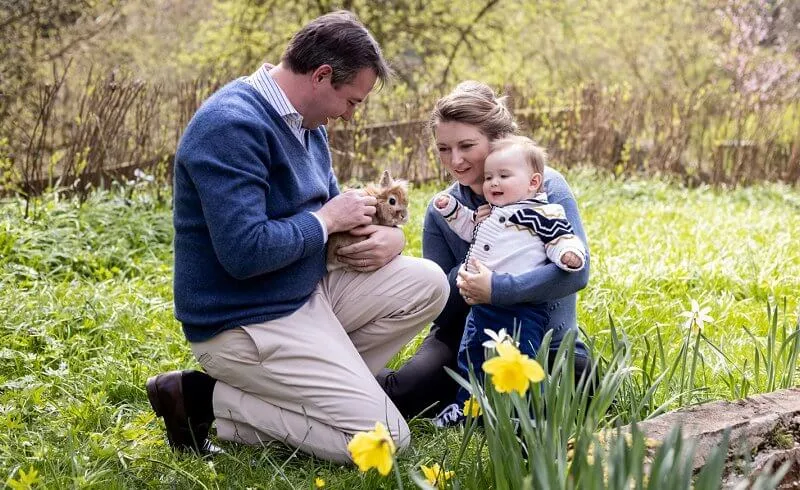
263 82
539 198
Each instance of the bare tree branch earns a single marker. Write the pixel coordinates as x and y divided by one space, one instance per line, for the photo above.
463 37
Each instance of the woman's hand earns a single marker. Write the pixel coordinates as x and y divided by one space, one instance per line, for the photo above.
475 287
383 244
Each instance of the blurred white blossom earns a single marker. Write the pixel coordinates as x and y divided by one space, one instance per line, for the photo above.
498 338
141 175
697 317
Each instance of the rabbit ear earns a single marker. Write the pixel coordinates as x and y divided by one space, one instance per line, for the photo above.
386 179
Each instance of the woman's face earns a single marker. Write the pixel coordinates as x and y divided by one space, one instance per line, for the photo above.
462 150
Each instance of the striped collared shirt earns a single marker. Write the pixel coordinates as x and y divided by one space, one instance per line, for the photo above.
269 89
274 94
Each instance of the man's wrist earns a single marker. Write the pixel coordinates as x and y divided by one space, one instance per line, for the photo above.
322 225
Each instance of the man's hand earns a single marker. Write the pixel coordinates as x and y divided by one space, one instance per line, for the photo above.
475 287
383 244
348 210
483 212
571 260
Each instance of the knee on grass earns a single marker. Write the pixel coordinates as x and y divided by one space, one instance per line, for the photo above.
430 278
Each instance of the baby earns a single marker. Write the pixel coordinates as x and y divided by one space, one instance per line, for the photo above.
521 232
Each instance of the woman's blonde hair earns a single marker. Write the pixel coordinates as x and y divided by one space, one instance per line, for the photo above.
475 103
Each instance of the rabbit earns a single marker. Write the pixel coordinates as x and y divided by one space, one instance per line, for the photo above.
391 210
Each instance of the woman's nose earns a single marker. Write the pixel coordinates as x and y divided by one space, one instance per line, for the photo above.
457 157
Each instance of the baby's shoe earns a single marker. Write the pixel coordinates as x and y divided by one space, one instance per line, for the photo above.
451 416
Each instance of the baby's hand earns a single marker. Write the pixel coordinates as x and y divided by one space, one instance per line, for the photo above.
442 201
571 260
483 212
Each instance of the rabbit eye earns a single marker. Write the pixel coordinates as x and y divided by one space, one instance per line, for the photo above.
392 201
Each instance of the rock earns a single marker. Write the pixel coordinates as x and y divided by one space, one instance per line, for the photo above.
768 424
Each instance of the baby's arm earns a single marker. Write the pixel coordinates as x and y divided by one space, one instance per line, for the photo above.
459 218
561 245
572 261
567 253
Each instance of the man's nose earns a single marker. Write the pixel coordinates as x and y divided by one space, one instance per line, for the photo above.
348 114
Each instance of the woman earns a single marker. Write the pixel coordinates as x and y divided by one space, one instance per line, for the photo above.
464 123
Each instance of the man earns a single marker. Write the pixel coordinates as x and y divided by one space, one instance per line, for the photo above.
290 349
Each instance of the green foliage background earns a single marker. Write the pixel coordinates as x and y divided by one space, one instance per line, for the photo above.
669 47
706 90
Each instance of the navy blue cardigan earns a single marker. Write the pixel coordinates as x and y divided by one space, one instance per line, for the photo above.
247 248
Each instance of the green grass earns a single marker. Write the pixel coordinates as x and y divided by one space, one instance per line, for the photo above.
87 317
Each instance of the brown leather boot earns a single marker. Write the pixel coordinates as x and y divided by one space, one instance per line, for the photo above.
165 392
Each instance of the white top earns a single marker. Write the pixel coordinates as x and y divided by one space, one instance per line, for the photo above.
518 237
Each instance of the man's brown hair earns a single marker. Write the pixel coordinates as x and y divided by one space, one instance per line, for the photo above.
340 40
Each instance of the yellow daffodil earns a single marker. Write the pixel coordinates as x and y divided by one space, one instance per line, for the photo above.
373 449
319 482
511 370
697 317
472 407
435 476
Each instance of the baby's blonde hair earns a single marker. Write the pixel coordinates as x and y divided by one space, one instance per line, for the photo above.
475 103
534 154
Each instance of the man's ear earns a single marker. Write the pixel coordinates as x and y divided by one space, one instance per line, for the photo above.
322 73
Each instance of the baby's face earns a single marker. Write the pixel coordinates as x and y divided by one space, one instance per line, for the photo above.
508 178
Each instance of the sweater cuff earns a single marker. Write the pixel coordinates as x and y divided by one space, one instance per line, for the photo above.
313 233
448 210
324 228
501 287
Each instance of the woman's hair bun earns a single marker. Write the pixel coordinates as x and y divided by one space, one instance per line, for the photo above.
475 103
476 88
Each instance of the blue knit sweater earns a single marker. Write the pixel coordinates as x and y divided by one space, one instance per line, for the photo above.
247 248
545 284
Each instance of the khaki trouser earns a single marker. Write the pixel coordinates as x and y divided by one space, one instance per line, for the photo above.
308 379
